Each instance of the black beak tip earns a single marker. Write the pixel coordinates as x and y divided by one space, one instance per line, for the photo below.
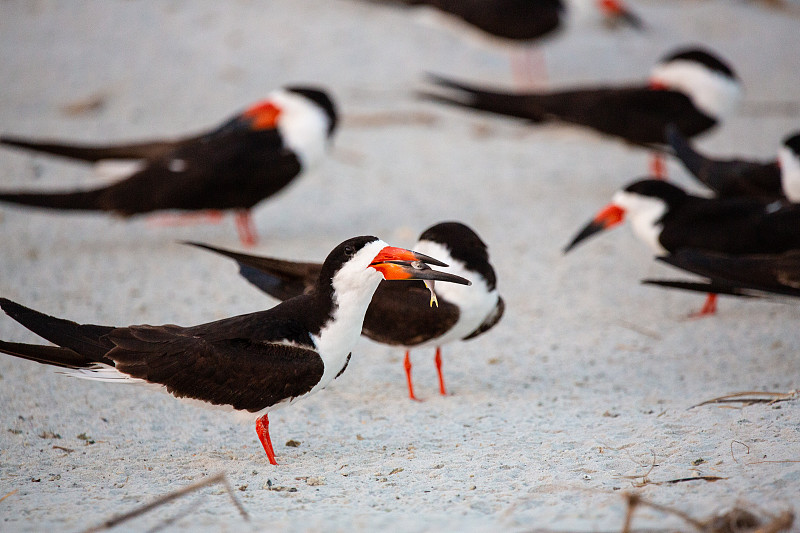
428 260
586 232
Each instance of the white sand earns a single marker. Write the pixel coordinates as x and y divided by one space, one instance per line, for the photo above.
585 382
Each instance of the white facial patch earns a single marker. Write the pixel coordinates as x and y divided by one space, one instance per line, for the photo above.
712 92
644 212
303 126
790 173
475 301
353 285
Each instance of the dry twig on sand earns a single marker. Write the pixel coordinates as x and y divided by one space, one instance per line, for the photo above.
752 397
736 520
217 478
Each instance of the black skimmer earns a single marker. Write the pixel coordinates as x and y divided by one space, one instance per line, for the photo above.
234 166
690 88
736 275
770 180
669 220
516 22
400 316
254 362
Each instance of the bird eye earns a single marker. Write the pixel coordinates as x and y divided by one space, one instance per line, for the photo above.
349 250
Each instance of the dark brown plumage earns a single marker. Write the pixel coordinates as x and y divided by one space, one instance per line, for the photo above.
730 177
743 275
233 167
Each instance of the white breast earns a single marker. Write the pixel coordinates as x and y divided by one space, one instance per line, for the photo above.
303 126
475 301
354 285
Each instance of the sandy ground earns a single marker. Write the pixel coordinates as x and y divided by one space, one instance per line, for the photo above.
579 394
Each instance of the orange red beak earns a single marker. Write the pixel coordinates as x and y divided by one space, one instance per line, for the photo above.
401 264
617 11
263 115
609 217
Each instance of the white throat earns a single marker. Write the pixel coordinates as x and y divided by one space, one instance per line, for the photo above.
475 301
644 213
303 126
711 92
353 285
790 173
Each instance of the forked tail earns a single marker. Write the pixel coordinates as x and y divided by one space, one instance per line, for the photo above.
79 345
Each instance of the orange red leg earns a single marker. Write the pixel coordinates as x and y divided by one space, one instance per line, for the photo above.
246 228
262 429
438 360
709 308
407 366
658 167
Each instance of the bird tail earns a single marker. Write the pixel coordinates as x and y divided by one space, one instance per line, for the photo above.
79 345
700 166
529 106
91 153
47 355
280 279
74 201
709 287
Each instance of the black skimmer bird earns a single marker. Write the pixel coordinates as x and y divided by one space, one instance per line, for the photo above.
515 22
234 166
736 275
669 220
770 180
690 88
254 362
400 316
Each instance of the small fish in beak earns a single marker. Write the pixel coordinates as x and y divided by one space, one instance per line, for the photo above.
419 265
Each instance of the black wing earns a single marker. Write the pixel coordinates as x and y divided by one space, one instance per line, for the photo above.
234 167
728 178
400 314
243 373
706 287
93 153
280 279
509 19
734 225
637 114
738 275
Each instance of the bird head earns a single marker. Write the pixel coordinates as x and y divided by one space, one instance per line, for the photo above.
644 203
616 12
704 78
